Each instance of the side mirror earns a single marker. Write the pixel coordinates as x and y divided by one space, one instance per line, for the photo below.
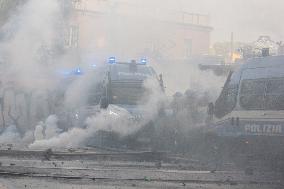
103 103
161 81
210 113
210 109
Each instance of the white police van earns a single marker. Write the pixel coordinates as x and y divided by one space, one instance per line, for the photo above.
252 100
248 116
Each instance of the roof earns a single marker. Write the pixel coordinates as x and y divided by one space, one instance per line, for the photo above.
269 61
263 67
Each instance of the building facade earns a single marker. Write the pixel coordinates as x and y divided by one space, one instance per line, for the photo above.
124 29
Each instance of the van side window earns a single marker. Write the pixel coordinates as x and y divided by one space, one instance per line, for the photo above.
262 94
227 101
274 99
252 94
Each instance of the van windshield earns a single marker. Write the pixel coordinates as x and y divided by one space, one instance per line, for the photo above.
128 93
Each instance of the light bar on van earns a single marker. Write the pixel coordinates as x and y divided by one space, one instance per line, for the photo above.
70 73
111 60
143 61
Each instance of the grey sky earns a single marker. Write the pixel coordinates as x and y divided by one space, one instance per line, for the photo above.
246 18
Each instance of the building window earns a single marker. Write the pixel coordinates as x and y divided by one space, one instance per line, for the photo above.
188 48
72 37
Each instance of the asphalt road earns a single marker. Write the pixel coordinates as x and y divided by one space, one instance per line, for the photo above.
35 173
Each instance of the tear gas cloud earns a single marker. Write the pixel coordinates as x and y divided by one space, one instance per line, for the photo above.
114 119
32 29
32 58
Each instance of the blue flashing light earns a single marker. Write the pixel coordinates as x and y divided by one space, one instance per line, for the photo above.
143 61
111 60
78 71
94 65
70 73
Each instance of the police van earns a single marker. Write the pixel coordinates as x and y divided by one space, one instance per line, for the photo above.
250 108
124 82
125 94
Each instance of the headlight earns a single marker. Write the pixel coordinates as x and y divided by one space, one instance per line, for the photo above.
76 116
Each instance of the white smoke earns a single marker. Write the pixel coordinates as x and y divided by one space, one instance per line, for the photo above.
31 36
181 75
38 132
114 119
76 137
36 30
51 128
28 138
10 135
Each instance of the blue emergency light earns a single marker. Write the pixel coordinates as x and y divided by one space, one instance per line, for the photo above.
143 61
78 71
111 60
70 73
